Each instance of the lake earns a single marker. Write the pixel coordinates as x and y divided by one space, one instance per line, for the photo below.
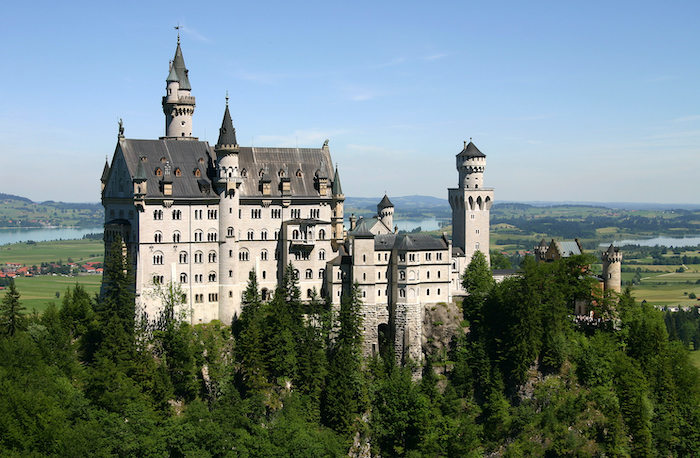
42 234
661 241
429 224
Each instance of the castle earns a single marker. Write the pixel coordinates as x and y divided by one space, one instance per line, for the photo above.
204 217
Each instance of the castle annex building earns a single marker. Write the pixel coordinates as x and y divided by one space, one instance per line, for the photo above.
204 217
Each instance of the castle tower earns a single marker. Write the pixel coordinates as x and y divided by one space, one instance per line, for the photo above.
337 204
612 269
178 104
541 250
227 182
385 212
471 203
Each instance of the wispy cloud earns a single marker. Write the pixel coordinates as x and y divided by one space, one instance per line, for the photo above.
300 138
194 34
436 56
658 79
686 118
532 117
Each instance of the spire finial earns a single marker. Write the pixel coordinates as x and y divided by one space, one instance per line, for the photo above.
178 32
226 99
121 128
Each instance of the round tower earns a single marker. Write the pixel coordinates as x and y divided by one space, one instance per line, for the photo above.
471 164
227 182
178 104
471 204
385 212
612 269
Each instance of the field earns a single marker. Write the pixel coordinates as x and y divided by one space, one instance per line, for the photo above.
35 254
38 291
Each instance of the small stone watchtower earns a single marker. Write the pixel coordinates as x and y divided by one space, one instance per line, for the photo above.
385 212
612 268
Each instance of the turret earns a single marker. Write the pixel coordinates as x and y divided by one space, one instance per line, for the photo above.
227 182
612 269
471 164
337 205
178 104
471 203
385 212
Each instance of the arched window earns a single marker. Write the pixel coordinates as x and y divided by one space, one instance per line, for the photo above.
476 246
212 256
322 255
229 232
158 279
176 237
309 274
230 273
158 237
177 214
251 234
263 234
264 275
402 293
211 236
263 255
364 258
212 276
402 275
322 234
277 234
321 273
158 214
183 278
244 255
183 257
198 255
158 258
295 234
198 235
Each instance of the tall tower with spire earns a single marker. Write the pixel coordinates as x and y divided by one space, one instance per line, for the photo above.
178 104
471 203
227 182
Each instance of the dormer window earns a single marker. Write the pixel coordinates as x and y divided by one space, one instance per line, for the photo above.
280 173
244 173
178 173
197 173
163 160
159 172
299 174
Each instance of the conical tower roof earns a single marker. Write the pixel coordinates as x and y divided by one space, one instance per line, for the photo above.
227 134
180 69
385 203
470 150
337 189
105 172
140 174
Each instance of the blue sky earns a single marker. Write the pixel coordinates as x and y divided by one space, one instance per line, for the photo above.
576 101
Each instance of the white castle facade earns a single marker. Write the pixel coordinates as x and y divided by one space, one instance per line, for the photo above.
204 217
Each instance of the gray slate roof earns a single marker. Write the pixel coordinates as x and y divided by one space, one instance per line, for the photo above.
385 202
567 249
409 242
227 134
337 189
288 160
471 150
181 154
180 69
361 230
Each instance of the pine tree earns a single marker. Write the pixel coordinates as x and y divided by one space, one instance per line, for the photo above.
344 395
11 311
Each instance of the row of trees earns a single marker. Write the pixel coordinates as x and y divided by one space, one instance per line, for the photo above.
288 378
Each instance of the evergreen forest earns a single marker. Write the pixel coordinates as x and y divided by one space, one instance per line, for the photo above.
289 378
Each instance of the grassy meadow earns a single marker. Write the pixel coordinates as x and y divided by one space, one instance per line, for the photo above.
34 254
38 291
